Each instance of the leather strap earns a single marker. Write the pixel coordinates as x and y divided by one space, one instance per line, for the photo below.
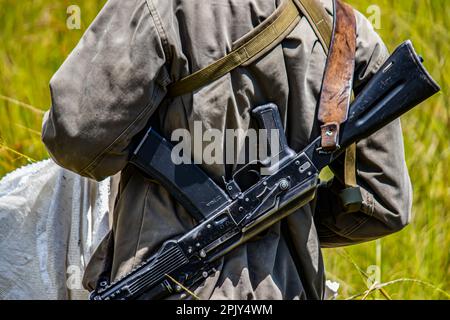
259 41
338 77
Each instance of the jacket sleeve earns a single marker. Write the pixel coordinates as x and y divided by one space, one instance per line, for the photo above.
106 90
381 169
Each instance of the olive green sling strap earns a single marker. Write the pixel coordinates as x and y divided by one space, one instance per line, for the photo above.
261 40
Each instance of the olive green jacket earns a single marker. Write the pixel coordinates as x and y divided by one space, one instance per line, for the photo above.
115 80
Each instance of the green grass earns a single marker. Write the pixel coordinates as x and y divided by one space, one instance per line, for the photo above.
34 41
413 264
421 251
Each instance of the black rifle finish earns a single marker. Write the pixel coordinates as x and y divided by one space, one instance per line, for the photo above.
228 219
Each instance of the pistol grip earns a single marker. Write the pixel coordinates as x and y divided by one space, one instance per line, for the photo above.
268 118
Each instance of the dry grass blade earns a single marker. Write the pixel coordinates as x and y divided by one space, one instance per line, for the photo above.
362 273
372 288
3 146
380 286
189 292
22 104
35 132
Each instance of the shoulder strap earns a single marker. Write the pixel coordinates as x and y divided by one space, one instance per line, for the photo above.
335 97
319 19
260 41
338 77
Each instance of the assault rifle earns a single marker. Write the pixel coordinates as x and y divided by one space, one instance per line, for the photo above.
227 218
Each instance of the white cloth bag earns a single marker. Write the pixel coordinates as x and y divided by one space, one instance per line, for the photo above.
51 220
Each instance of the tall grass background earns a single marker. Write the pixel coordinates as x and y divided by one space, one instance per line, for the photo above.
413 264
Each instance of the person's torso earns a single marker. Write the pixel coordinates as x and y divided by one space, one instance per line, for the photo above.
290 76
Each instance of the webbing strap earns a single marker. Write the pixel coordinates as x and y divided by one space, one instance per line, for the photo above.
262 39
350 166
319 19
350 163
287 15
351 196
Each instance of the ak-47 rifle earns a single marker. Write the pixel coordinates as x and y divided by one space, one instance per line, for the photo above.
228 218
